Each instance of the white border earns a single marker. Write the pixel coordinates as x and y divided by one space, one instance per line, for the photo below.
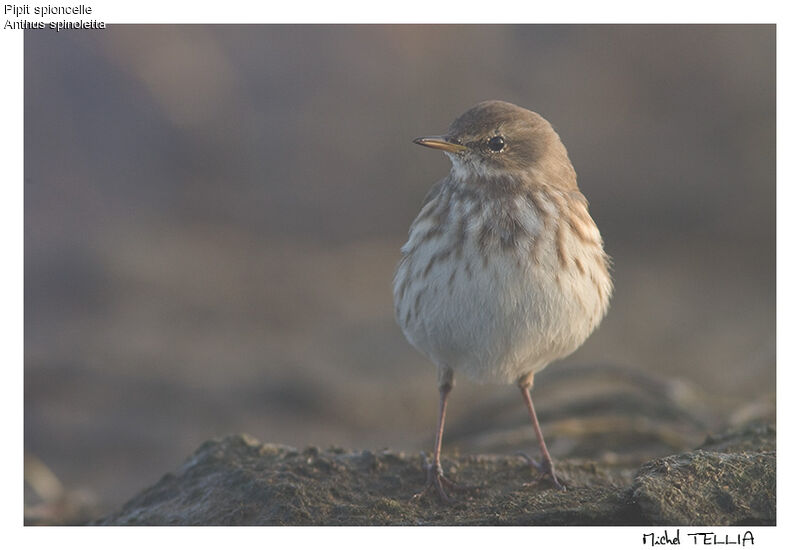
430 11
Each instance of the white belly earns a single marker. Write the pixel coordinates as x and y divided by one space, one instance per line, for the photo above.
499 318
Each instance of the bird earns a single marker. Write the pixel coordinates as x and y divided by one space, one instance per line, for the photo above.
504 270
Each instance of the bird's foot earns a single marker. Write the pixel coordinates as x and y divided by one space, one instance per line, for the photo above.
437 480
545 468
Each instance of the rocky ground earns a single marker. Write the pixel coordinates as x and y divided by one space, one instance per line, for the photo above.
729 480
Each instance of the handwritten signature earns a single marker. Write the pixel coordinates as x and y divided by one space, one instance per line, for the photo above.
704 538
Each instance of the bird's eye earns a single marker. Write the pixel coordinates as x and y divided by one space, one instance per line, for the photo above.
497 143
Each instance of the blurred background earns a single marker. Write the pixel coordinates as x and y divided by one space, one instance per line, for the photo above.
213 215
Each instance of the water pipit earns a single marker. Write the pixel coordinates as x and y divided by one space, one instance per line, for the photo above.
504 270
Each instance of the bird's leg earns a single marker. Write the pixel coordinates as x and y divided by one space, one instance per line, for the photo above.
546 466
433 469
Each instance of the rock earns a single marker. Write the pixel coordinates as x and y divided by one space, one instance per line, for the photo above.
729 482
708 488
239 481
754 437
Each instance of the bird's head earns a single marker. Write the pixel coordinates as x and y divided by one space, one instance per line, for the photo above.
496 138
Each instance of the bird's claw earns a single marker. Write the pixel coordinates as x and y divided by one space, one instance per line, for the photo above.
437 480
545 468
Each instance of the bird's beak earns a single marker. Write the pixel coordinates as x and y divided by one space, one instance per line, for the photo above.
440 142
